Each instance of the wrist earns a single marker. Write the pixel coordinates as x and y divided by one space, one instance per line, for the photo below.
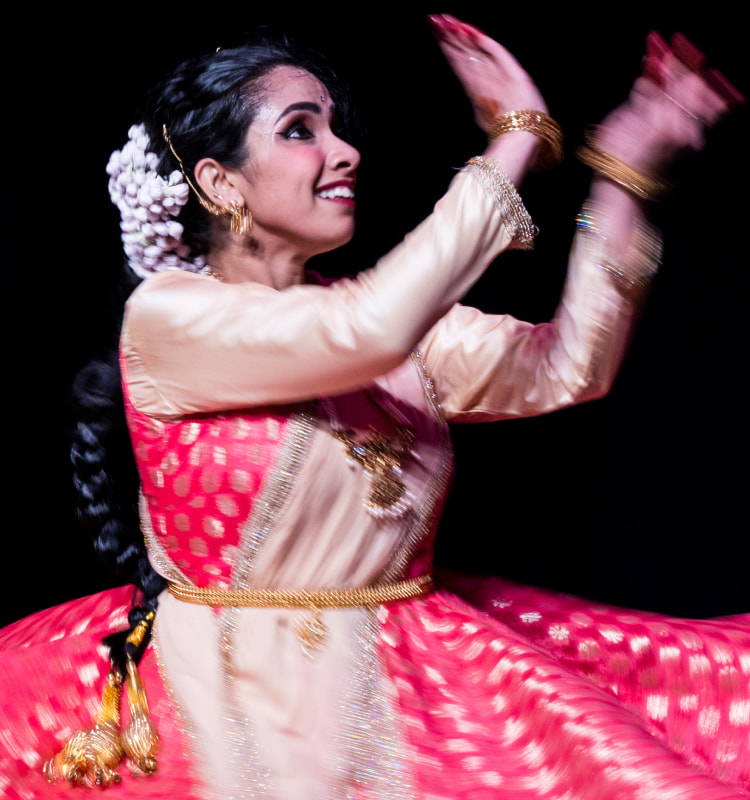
619 166
517 153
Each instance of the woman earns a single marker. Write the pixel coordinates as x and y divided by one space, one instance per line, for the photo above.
293 455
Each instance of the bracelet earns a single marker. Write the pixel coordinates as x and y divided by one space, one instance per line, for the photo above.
540 125
507 200
642 184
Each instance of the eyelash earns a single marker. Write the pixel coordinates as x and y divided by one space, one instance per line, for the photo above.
297 127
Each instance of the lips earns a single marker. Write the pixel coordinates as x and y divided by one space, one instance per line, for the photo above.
340 191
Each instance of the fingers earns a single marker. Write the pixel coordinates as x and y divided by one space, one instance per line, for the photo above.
657 54
473 44
448 28
687 53
661 58
729 93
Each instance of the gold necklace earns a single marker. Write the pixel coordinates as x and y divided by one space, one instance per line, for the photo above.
209 273
380 457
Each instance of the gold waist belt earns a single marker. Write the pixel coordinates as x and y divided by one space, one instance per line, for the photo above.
302 598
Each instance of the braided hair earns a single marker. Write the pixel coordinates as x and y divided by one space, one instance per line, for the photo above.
106 483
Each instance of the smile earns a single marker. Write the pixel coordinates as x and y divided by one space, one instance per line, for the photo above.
336 193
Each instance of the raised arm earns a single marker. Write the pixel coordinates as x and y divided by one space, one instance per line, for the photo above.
194 345
489 367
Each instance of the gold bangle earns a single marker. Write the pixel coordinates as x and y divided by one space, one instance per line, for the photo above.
641 184
540 125
363 596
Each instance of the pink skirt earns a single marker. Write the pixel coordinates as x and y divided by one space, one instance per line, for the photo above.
504 692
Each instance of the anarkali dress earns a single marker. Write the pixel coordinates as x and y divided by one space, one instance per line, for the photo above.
299 441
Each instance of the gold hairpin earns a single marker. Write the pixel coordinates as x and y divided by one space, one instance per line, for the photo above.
241 220
211 207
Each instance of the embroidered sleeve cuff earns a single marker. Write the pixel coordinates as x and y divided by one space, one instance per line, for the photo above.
633 270
501 189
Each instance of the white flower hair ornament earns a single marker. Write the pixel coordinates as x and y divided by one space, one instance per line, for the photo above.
148 203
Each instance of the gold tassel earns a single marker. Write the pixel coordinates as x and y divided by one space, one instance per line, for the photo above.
91 757
140 738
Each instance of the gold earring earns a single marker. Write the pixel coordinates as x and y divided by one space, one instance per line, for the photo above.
241 221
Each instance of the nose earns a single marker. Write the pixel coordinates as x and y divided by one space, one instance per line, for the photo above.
343 155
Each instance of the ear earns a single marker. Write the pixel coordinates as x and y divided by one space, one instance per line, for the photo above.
216 182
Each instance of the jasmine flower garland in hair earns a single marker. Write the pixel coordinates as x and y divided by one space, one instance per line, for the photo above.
148 204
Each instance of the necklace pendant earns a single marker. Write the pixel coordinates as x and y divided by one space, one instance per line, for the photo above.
385 490
380 458
311 632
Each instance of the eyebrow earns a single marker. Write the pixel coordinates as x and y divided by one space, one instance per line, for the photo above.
301 106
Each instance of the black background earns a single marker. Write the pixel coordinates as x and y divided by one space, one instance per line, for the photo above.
638 499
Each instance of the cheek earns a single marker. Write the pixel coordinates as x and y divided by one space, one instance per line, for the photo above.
304 167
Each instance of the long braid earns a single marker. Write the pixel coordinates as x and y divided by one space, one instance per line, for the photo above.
106 481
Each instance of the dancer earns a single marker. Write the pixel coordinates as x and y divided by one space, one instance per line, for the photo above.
291 441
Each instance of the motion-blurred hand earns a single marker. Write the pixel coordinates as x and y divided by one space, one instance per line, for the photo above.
669 107
493 80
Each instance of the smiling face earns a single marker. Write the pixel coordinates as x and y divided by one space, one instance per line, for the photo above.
299 178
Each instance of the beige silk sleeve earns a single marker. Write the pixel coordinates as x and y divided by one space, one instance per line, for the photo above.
192 344
488 367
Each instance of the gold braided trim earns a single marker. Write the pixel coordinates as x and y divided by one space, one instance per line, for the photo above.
301 598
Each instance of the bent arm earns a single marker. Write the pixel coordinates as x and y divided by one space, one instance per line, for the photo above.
489 367
191 344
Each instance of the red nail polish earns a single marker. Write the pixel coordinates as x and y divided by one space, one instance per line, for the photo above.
732 96
687 52
656 46
653 71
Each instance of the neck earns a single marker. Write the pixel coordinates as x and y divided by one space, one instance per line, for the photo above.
242 260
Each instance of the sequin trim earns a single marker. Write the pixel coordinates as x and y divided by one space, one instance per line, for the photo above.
632 271
157 555
423 520
248 778
501 189
371 750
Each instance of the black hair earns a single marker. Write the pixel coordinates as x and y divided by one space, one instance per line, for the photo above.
207 104
106 481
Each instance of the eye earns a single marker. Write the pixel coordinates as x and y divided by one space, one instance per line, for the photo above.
297 130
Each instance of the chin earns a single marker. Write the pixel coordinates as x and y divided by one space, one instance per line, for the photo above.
334 243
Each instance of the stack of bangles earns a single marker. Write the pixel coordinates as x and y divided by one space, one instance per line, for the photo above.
642 184
540 125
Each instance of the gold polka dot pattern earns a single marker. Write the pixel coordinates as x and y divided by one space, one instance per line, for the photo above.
200 477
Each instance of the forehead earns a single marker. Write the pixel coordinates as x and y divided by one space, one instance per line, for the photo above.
285 85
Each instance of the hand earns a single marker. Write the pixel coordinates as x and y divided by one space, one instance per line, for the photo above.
491 77
669 108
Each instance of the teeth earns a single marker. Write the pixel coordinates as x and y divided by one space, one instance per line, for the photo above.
338 191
